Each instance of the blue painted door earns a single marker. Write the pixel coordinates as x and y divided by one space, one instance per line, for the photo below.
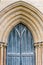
20 49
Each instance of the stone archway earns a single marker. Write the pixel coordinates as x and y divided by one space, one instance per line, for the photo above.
22 12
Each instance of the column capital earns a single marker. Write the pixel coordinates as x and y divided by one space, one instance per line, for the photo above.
3 44
38 44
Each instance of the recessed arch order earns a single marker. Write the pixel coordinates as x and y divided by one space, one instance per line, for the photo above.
21 12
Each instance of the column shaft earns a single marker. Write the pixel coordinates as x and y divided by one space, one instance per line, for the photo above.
0 55
36 54
39 56
4 55
42 54
38 50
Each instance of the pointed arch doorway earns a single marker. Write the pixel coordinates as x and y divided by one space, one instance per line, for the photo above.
20 49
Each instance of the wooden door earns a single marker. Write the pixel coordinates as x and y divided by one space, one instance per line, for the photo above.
20 49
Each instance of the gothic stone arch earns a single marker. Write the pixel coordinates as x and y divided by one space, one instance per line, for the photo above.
21 12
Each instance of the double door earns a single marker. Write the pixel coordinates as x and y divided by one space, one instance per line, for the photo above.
20 49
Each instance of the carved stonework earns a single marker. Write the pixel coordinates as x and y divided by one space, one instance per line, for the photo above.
2 53
38 51
38 44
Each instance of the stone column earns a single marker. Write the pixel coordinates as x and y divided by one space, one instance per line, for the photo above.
38 52
0 54
3 53
42 53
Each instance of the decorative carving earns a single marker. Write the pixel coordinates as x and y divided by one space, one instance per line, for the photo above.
2 44
38 44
